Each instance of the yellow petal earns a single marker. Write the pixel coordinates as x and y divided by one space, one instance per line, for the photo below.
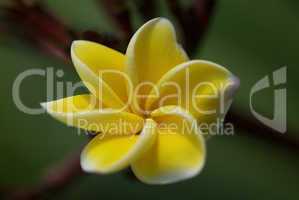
178 153
152 51
175 115
101 69
83 111
113 153
203 88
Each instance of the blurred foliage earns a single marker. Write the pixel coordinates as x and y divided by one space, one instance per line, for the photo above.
252 38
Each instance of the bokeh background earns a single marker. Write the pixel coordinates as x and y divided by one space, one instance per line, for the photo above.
251 37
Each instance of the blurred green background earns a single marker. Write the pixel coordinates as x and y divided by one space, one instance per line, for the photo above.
251 37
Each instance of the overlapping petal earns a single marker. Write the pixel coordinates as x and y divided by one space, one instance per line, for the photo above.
101 69
112 153
83 111
178 152
203 88
152 51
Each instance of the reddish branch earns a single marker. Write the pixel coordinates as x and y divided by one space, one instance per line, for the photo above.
118 11
39 26
105 39
252 127
147 9
54 180
46 31
193 20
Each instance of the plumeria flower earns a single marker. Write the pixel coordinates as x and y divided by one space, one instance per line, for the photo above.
145 106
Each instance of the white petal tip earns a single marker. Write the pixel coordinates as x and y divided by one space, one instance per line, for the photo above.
77 42
170 178
236 81
87 166
44 105
233 86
